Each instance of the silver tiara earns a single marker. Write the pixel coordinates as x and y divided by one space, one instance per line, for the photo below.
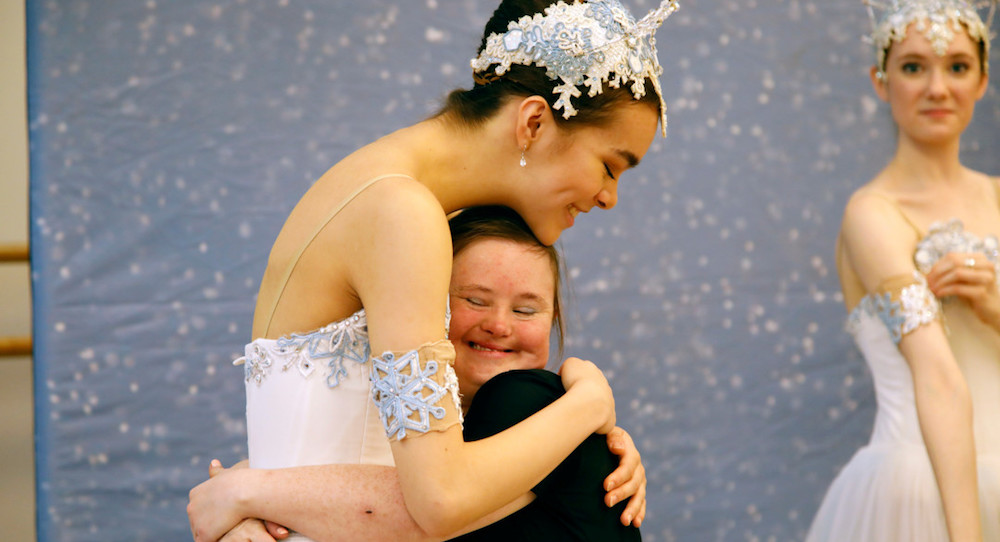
583 45
939 20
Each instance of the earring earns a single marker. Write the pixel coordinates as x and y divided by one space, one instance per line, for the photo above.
523 162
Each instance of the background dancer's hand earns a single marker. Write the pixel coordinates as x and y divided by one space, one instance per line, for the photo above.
971 277
628 481
585 377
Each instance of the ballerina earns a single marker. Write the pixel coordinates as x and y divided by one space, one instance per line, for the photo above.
917 257
567 99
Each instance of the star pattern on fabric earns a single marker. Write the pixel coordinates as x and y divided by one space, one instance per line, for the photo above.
406 395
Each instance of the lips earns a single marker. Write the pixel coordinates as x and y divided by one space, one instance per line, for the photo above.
573 212
937 112
490 349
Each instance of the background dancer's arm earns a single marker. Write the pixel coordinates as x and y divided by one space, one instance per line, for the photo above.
879 245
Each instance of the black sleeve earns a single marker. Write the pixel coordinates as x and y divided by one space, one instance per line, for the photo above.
507 399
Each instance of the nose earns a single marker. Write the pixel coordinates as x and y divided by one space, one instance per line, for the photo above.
607 198
937 85
497 323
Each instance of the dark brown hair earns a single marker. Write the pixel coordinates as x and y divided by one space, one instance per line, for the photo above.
499 222
476 105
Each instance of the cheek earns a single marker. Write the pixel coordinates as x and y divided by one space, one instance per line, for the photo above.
462 320
534 339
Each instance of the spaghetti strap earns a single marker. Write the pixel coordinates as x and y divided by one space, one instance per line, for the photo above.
996 189
894 203
295 259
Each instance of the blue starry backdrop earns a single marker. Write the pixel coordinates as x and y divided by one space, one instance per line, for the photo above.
169 139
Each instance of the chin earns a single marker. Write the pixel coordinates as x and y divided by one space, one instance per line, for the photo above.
548 238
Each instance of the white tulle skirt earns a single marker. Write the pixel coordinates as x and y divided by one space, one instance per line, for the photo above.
887 493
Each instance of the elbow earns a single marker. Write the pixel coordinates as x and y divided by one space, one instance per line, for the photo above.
439 517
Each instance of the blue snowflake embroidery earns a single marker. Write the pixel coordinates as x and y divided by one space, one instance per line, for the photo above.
917 306
337 343
890 314
402 390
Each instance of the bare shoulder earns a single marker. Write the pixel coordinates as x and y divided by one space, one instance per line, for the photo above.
405 211
878 242
401 264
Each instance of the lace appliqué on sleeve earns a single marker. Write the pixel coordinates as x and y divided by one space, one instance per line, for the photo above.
416 390
903 304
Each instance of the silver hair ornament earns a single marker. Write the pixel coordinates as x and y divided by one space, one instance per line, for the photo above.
582 45
938 20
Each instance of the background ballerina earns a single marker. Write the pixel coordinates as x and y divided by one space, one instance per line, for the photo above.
918 261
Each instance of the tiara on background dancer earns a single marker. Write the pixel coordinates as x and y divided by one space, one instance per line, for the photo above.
938 20
583 45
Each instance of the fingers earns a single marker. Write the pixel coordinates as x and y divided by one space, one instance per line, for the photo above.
248 530
635 510
628 481
215 468
961 269
629 465
965 291
275 530
616 441
641 516
622 490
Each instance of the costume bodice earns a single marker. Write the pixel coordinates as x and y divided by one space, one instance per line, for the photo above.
875 322
309 400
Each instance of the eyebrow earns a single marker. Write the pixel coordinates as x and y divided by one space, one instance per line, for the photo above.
628 156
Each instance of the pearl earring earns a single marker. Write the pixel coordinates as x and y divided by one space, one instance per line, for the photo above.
523 162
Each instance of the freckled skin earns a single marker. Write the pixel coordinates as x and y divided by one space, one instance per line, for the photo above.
502 296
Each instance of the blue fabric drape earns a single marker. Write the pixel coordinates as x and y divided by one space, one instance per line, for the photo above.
170 139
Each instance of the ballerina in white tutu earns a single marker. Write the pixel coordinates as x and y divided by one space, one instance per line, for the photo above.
350 366
918 260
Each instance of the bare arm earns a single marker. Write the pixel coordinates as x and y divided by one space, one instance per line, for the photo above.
402 278
400 271
879 246
315 502
323 502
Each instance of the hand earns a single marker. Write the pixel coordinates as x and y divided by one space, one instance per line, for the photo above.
250 530
631 470
213 505
587 378
975 283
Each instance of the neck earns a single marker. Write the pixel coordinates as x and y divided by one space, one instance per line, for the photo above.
927 162
462 166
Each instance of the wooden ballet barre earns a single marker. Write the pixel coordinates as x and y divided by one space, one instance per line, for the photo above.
15 346
13 253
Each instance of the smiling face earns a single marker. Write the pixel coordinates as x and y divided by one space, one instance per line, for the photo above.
502 307
572 171
932 96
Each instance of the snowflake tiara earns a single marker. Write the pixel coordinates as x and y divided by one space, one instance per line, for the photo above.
583 44
938 20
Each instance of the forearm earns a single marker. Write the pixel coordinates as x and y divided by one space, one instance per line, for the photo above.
333 502
448 485
945 413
